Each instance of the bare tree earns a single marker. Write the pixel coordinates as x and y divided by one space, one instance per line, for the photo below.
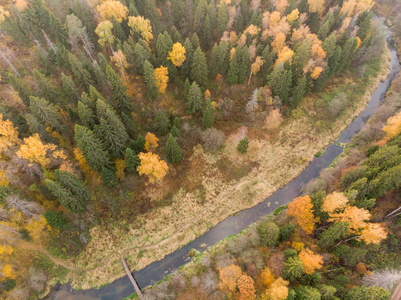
386 278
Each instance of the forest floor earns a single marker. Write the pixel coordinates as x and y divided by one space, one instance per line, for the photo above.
214 185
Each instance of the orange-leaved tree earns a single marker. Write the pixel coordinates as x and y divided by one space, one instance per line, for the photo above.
302 210
177 54
310 261
334 201
151 142
152 166
246 288
374 233
356 217
228 278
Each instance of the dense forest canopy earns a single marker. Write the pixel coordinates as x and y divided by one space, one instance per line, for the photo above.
95 92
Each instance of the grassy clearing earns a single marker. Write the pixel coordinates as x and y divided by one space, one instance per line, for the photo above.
214 185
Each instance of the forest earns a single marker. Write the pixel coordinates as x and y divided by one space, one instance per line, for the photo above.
130 127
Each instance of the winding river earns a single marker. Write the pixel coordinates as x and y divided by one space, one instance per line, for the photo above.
234 224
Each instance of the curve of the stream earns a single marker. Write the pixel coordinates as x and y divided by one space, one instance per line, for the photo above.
234 224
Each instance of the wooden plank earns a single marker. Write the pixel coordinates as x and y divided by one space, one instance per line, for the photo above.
129 274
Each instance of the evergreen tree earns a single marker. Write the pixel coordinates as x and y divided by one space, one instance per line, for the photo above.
199 71
66 198
222 18
195 98
274 79
46 112
69 90
151 12
164 45
111 130
200 18
47 64
174 153
80 73
118 30
24 91
141 54
243 145
175 132
300 58
176 36
162 123
299 91
150 80
132 160
334 61
118 91
224 58
214 62
285 85
85 99
269 56
187 88
329 45
243 63
46 89
207 33
103 61
177 122
233 72
37 126
365 24
179 13
129 124
133 11
186 66
108 177
208 116
293 268
86 115
139 145
347 54
75 185
91 147
94 96
195 41
324 30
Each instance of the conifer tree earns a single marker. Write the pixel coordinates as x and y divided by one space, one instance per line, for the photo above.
46 88
365 24
324 30
129 124
186 66
274 79
207 33
118 30
177 122
187 88
347 54
111 130
141 54
299 60
233 72
199 71
24 92
108 177
195 98
175 131
162 123
86 115
214 62
329 45
299 91
222 19
138 145
174 153
208 116
69 90
73 184
95 95
118 91
200 18
179 13
243 62
243 145
224 58
46 112
195 41
91 147
150 80
85 99
164 45
65 197
132 160
80 73
285 85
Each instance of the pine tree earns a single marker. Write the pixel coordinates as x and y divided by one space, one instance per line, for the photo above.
199 71
132 160
150 80
208 116
91 147
46 112
175 132
243 145
65 197
195 98
80 73
111 130
118 91
108 177
162 123
174 153
299 91
86 115
69 90
75 185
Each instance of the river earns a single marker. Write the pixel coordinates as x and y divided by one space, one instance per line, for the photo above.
154 272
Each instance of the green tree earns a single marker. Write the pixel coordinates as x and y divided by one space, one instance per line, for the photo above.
150 80
175 131
243 145
195 98
46 112
268 233
118 30
329 45
69 90
86 115
91 147
55 219
129 124
368 293
179 13
224 58
243 63
233 72
80 73
200 18
118 91
21 87
46 89
333 234
138 145
293 268
308 293
208 116
174 153
365 24
214 62
75 185
164 45
327 291
186 66
187 88
108 177
324 30
299 91
66 198
132 160
162 123
141 54
222 17
199 70
177 122
299 60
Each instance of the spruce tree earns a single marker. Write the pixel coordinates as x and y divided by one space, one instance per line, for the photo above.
233 72
46 112
222 19
118 91
174 153
177 122
80 73
187 88
71 182
95 95
85 99
300 58
299 91
141 54
329 45
365 23
66 198
243 145
24 91
347 54
200 18
46 88
139 145
129 124
118 30
86 115
285 85
274 78
244 63
207 33
164 45
195 41
324 30
91 147
199 70
175 132
132 160
224 58
208 116
150 80
214 62
186 66
108 177
111 130
195 98
162 123
69 90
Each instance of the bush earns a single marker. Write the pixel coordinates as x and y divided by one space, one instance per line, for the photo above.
55 219
336 105
243 145
212 138
7 284
268 233
279 210
290 253
286 232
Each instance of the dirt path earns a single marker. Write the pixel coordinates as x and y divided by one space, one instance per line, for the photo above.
397 293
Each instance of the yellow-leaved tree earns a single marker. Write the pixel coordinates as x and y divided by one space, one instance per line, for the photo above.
278 290
161 75
177 54
310 261
151 142
8 134
112 8
302 210
119 59
104 32
356 217
334 201
152 166
293 16
142 26
393 127
120 167
374 233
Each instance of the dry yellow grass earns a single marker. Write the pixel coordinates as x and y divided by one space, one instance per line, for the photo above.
280 156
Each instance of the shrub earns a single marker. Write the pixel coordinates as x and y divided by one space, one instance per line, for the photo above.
243 145
336 105
268 233
286 232
55 219
37 279
212 138
372 150
279 210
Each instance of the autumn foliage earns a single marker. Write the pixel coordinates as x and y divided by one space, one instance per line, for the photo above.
152 166
302 210
310 261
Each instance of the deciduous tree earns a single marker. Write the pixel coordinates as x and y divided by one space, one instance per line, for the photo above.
310 261
302 210
152 166
161 75
177 54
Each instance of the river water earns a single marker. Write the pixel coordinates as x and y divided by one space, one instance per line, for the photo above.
154 272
